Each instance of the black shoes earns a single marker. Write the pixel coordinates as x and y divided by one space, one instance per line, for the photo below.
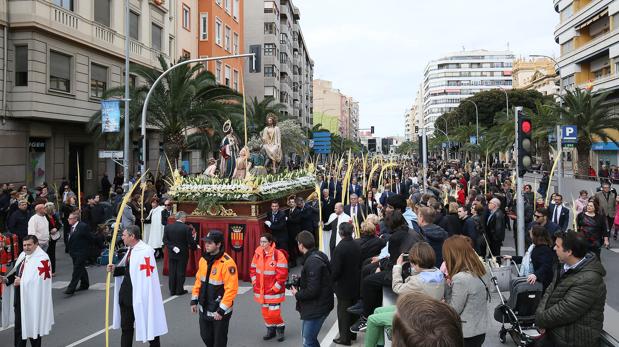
356 309
270 334
280 334
182 292
339 341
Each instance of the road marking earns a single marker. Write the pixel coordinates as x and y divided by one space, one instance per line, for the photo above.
328 339
7 328
242 290
509 249
616 250
611 317
59 284
93 335
100 286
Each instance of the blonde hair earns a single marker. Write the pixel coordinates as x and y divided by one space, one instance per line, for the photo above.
49 207
453 207
372 218
368 228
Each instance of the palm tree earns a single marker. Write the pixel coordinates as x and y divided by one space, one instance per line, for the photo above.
257 112
592 116
187 97
543 119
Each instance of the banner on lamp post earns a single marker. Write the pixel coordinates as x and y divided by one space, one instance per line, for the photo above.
110 116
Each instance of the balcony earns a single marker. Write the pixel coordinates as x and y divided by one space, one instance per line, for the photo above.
593 28
50 18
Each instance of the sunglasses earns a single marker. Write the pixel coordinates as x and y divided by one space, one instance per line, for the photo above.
539 216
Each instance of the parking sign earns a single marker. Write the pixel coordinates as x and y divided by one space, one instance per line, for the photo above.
569 133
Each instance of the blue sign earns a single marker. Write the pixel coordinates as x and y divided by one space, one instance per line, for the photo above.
473 140
604 146
110 116
569 133
322 142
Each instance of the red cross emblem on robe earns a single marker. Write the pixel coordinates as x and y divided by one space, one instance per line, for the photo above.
45 269
147 267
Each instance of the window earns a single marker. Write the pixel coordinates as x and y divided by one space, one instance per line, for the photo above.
270 28
60 72
567 47
567 12
186 17
134 25
227 5
204 26
218 2
235 44
21 66
218 32
66 4
227 76
269 49
236 9
102 12
218 71
270 71
98 80
156 37
227 39
236 80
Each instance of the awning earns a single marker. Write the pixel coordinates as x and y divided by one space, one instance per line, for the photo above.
604 146
592 19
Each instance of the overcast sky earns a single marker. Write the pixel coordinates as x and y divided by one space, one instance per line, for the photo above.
375 51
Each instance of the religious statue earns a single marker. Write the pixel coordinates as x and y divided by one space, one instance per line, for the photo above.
211 169
229 150
256 158
271 142
242 165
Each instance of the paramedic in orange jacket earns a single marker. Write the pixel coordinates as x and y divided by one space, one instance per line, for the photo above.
268 273
213 294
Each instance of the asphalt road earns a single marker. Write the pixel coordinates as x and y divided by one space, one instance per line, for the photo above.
80 319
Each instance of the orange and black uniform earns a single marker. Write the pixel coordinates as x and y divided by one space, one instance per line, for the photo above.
216 286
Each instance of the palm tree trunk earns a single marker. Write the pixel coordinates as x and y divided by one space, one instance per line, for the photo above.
583 159
544 148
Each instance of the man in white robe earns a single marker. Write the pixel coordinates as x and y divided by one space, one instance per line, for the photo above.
331 236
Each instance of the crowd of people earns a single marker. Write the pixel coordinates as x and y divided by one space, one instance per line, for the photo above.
375 235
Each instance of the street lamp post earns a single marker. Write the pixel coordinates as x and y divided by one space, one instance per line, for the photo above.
476 119
152 88
558 128
126 142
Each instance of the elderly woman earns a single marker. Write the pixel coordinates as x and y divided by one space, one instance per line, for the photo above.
368 241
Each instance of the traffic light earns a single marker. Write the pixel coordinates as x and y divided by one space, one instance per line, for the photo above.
416 129
141 151
525 144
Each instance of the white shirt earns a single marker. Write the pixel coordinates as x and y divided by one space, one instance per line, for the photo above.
39 227
557 213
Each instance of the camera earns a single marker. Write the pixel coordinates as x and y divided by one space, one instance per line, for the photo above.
293 281
405 256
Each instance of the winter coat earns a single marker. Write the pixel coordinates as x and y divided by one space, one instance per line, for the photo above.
346 269
435 236
571 315
268 273
428 281
607 206
315 293
370 246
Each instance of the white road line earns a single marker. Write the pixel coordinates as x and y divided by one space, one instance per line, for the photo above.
328 339
93 335
59 284
7 328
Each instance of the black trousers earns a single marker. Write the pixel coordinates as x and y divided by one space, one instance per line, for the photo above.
79 273
51 252
475 341
495 247
372 292
214 333
18 341
176 281
126 325
345 319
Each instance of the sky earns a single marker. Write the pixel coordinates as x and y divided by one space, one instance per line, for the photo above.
376 51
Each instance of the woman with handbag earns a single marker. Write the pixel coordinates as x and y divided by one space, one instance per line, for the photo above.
54 233
468 294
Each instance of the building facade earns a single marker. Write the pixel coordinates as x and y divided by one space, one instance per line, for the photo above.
185 37
59 58
332 104
283 69
221 33
457 76
588 34
536 74
413 118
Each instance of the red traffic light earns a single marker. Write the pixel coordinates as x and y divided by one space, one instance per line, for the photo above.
526 126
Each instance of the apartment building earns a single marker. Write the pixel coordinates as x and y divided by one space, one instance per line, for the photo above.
589 38
331 102
412 118
59 58
283 69
457 76
221 30
185 36
536 74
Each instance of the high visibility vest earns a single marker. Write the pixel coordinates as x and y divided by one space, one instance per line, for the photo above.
268 273
216 286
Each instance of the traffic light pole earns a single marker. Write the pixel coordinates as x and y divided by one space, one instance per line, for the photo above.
519 186
559 161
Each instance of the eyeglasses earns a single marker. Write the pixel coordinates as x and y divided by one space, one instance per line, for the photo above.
539 216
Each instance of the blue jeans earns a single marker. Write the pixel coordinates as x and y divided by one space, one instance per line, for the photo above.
310 330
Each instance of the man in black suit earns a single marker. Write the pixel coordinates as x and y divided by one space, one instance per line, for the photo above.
346 274
327 204
494 220
167 212
178 239
276 225
80 239
299 219
559 214
400 188
354 188
355 210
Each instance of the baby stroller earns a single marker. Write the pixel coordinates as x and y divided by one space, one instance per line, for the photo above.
518 313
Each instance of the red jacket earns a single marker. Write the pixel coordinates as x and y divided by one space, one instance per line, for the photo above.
461 197
268 273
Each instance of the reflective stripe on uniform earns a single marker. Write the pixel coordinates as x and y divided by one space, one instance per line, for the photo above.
194 297
224 307
277 286
203 278
269 272
273 307
274 296
285 266
258 271
253 278
215 283
253 265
